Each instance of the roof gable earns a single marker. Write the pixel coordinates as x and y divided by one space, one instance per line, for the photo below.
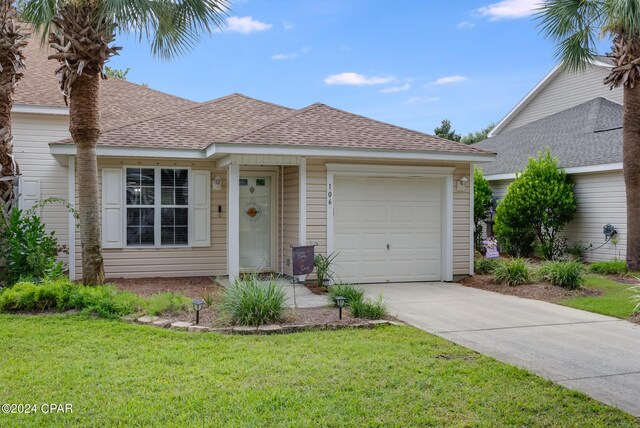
557 91
587 134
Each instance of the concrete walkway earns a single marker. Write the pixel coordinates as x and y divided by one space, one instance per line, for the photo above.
594 354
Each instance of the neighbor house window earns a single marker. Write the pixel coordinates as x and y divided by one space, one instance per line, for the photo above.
157 206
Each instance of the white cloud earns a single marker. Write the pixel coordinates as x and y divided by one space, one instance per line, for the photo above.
246 25
510 9
466 24
356 79
421 100
449 79
394 89
290 55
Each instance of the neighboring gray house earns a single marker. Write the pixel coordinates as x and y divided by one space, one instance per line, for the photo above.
587 140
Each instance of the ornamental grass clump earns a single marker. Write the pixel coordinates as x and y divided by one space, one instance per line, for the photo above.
350 293
369 309
566 274
485 266
609 267
249 301
513 272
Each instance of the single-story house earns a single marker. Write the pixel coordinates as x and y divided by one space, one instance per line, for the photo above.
230 185
580 120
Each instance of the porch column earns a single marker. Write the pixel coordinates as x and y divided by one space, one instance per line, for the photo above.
233 221
302 196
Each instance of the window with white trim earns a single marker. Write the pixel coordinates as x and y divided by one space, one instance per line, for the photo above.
157 206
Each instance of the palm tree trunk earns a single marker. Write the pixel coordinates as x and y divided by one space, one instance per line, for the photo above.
631 162
8 196
85 130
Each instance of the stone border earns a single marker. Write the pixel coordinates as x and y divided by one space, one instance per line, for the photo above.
245 330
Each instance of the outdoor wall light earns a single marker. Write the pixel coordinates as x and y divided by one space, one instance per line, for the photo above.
216 183
340 302
197 305
462 184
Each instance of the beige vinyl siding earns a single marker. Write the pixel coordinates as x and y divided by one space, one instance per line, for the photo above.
32 135
564 91
169 262
290 211
317 207
601 200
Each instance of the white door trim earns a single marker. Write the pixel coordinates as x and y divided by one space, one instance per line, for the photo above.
273 175
445 174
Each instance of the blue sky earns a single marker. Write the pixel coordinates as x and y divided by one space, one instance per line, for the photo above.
408 62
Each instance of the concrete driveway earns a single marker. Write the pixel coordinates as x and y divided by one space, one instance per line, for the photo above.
591 353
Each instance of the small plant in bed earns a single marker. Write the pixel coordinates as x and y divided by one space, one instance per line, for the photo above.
513 272
249 301
369 309
567 274
350 293
609 267
164 303
485 266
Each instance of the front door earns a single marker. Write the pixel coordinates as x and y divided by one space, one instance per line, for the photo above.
256 222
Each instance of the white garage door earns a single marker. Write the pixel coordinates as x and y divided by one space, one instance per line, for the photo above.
388 229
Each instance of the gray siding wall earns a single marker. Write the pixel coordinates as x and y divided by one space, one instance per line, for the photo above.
566 90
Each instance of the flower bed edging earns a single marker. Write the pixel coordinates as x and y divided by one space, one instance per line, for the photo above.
247 330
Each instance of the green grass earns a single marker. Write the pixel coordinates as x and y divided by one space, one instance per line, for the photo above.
616 300
118 374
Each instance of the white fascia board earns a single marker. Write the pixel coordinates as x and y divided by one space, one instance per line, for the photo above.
527 98
30 109
130 152
228 149
572 170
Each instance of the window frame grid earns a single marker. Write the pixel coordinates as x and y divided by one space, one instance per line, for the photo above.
157 207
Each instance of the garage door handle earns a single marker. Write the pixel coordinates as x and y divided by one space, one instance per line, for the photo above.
388 247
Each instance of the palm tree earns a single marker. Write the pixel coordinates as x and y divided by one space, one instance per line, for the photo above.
575 26
13 39
82 33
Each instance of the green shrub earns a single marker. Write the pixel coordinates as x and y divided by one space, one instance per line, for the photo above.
539 201
27 251
163 303
564 274
369 309
249 301
323 265
350 293
62 294
635 297
513 272
485 266
517 242
609 267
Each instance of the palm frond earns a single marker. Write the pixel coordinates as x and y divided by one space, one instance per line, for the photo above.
574 25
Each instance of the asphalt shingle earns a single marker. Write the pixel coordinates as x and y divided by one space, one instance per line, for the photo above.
587 134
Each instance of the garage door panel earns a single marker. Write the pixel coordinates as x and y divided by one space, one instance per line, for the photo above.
370 213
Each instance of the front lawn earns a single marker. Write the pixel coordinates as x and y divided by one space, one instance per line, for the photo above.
615 300
118 374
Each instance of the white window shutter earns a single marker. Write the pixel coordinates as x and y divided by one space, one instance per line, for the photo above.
112 214
29 189
201 203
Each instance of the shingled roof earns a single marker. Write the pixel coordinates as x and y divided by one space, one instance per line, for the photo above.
320 125
121 102
584 135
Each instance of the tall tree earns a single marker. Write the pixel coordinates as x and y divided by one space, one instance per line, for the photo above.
13 39
476 137
82 33
445 131
575 26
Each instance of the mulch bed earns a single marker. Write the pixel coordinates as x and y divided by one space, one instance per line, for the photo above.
191 287
545 292
316 289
